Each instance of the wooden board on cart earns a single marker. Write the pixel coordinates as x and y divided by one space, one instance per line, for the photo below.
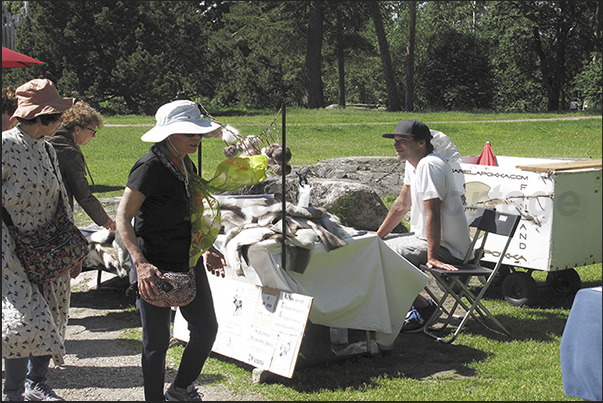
562 166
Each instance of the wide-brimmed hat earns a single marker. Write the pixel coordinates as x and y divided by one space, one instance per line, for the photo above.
411 127
39 97
182 117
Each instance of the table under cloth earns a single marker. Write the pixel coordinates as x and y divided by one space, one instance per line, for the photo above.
580 349
362 285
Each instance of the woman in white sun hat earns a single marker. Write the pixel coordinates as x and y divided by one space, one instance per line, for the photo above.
176 221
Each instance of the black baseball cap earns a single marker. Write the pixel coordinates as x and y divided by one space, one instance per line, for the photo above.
411 127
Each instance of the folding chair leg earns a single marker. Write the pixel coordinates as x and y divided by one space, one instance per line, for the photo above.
435 299
440 307
476 307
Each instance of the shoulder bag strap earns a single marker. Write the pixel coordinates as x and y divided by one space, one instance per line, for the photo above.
6 218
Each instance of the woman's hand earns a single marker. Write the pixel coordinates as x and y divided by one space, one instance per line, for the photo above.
215 262
110 225
146 278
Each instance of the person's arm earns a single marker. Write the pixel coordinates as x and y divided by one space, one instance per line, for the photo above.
396 213
146 272
74 174
433 229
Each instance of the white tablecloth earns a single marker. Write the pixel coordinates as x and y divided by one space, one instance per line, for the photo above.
363 285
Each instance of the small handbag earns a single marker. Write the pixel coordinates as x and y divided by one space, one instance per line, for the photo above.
176 289
49 252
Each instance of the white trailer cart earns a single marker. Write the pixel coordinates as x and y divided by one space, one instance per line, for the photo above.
560 204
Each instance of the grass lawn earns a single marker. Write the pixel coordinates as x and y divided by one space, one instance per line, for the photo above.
479 365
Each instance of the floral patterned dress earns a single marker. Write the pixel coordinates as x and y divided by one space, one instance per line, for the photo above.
34 317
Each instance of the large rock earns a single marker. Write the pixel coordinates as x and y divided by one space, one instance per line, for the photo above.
351 188
356 204
385 175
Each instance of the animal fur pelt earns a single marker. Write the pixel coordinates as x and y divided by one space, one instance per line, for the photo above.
107 249
247 222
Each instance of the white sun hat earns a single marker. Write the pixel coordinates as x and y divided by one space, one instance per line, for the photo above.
183 117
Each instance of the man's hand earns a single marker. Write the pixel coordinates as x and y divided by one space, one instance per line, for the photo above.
431 263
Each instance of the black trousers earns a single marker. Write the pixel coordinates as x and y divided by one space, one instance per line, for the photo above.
156 323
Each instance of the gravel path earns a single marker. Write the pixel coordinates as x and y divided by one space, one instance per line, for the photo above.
102 363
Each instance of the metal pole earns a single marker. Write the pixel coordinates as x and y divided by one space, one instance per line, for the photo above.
283 190
199 156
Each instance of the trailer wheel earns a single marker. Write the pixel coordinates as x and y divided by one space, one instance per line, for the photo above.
503 271
563 283
519 289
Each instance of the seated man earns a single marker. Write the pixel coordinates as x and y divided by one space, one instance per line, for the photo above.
439 230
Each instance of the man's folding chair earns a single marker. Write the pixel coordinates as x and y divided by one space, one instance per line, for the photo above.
455 283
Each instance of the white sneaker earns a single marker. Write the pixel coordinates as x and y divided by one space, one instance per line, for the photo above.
39 392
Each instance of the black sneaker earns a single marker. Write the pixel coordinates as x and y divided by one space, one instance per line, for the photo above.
413 323
39 392
188 394
14 396
427 311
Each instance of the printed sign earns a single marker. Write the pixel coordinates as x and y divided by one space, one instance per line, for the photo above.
257 325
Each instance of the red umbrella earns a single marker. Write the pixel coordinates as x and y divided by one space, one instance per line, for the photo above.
487 156
10 58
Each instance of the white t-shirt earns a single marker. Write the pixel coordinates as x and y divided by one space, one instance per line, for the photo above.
433 178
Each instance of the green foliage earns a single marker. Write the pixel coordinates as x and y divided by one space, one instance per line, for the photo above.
131 57
14 7
539 47
128 56
588 84
456 73
258 53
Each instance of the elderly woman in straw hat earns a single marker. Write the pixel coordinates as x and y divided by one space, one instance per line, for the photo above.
176 221
34 316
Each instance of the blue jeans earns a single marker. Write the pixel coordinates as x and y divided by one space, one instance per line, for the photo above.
18 371
156 321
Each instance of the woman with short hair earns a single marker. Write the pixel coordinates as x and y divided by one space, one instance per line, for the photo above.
79 126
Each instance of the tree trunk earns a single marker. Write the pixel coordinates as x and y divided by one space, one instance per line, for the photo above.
599 26
313 66
553 68
410 53
340 61
394 103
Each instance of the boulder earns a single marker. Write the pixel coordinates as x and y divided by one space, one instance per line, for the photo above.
385 175
351 188
356 204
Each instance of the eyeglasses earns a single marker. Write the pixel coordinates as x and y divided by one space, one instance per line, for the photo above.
191 135
92 130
